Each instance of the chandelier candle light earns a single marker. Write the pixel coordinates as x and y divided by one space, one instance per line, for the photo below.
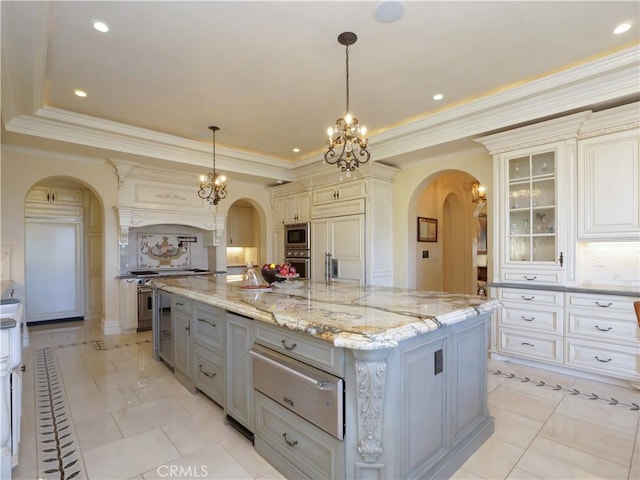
213 186
349 136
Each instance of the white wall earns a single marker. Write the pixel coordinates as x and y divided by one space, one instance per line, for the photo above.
22 168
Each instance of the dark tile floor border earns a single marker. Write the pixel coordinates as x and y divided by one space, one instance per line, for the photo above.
570 391
58 449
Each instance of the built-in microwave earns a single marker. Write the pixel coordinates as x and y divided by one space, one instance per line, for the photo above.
296 235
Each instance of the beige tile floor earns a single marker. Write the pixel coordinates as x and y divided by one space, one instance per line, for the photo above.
133 420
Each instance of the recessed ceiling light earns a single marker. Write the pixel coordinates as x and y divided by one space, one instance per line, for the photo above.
296 150
438 96
623 27
389 11
101 27
80 93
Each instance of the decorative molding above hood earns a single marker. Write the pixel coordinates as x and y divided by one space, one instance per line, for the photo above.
141 217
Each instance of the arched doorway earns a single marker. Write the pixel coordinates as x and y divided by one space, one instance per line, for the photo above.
63 251
450 263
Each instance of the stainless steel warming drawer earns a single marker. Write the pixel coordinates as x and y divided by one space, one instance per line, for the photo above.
315 395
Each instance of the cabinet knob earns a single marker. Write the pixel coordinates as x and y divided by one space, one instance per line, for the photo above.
561 259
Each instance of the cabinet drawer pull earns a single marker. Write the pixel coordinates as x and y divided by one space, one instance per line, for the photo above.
604 329
527 277
527 319
284 344
527 298
528 344
206 321
210 375
603 305
603 361
289 442
180 304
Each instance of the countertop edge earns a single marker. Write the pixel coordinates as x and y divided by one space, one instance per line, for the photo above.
351 340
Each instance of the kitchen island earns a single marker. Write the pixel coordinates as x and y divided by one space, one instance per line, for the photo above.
412 365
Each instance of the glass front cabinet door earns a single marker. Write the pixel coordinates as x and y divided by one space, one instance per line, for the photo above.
533 214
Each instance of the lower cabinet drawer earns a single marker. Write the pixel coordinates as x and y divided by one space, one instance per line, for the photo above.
304 348
544 319
537 346
308 449
605 359
605 327
208 373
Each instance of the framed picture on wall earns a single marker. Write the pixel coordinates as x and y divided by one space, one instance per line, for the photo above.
427 229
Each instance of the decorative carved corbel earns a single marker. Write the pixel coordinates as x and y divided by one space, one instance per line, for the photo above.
371 373
122 170
124 235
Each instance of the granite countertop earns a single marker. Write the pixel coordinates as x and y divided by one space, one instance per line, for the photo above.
345 314
590 288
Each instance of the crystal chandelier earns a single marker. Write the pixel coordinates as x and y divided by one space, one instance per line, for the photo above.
213 186
348 136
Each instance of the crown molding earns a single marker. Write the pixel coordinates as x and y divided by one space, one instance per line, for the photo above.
62 125
50 154
601 80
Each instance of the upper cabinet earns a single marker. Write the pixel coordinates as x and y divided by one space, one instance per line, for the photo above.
291 207
340 192
240 227
55 195
534 175
534 213
609 186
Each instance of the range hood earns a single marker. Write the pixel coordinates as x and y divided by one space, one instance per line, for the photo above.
141 217
153 196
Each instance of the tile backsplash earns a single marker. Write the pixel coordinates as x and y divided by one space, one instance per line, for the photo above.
196 255
609 263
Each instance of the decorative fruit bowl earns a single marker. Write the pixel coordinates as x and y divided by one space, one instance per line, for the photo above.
277 273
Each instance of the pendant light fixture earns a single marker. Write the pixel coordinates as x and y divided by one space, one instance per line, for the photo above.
348 136
213 186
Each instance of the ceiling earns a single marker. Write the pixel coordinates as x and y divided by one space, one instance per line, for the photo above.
271 74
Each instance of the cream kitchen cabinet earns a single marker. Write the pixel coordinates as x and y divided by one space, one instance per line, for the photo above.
534 206
278 245
338 244
602 335
55 195
296 208
240 227
128 306
340 192
291 207
609 186
529 324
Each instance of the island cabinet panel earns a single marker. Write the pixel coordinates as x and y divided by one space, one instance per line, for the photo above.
424 438
240 333
182 348
303 347
208 373
208 327
469 380
293 445
207 333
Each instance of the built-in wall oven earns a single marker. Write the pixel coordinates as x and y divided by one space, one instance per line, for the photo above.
301 259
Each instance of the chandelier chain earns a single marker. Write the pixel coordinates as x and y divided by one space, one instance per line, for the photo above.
347 64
